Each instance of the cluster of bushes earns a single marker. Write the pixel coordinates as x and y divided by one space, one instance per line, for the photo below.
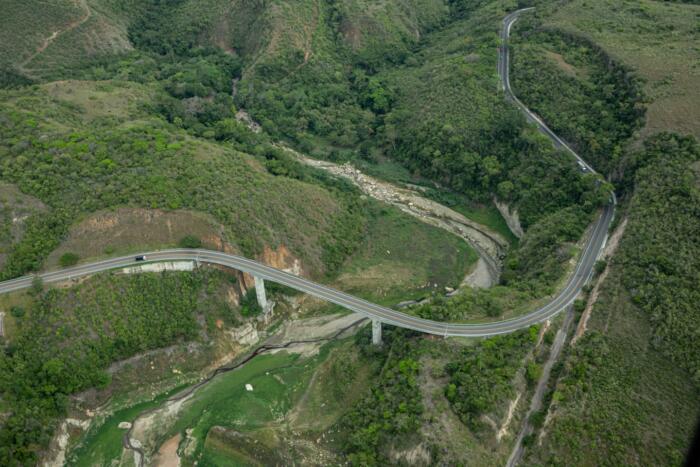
483 376
317 100
473 303
392 407
11 79
543 253
194 91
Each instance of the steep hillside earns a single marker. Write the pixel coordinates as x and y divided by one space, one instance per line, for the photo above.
628 389
137 117
628 392
40 40
82 146
304 82
658 39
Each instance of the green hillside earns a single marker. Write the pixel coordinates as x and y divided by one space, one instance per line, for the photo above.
41 40
126 125
657 39
77 156
627 392
636 372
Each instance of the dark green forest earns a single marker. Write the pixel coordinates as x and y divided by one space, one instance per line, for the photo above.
659 260
594 102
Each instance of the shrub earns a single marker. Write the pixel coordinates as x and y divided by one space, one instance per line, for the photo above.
37 286
249 304
600 266
17 311
68 259
190 241
533 373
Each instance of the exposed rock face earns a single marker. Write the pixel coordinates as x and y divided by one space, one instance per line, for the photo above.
245 334
511 216
281 258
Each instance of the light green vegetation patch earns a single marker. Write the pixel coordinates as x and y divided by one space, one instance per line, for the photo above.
223 448
402 257
277 380
231 424
111 102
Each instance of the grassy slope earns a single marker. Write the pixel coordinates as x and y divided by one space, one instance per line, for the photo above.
127 230
23 31
389 271
659 39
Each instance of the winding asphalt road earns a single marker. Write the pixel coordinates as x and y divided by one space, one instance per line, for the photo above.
565 297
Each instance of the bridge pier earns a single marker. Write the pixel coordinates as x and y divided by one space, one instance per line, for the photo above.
376 332
260 293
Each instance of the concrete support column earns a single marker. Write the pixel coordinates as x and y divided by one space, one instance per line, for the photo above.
260 293
376 332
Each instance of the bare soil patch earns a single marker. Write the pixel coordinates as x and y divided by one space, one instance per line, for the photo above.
167 454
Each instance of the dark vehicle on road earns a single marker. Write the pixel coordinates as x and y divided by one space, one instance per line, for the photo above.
141 258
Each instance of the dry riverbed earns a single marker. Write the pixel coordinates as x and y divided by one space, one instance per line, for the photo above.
490 245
